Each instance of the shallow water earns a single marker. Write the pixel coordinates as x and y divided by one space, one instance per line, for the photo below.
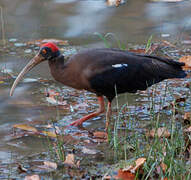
76 21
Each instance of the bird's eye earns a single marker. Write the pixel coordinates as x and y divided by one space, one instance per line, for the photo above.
44 51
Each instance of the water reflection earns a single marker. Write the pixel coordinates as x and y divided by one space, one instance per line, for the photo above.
169 17
76 19
89 17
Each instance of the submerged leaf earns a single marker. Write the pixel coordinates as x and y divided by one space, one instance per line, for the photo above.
25 127
21 169
49 134
70 160
100 135
50 164
32 177
89 151
114 2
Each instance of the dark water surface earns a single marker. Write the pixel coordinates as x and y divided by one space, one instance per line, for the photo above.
75 21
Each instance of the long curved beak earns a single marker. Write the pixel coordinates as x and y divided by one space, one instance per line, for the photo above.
32 63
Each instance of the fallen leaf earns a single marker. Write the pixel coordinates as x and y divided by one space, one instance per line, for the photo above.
21 169
55 101
163 166
160 132
187 42
81 106
125 175
101 135
133 168
114 2
187 129
70 160
180 99
187 61
139 51
89 151
22 103
49 134
167 43
50 164
187 85
32 177
187 116
25 127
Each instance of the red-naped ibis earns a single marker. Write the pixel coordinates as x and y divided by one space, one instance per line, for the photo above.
104 72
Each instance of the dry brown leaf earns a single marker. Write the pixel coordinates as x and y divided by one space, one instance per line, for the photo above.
187 116
50 164
101 135
163 166
125 175
139 51
32 177
187 129
187 61
22 103
167 43
21 169
114 2
161 132
180 99
139 162
133 168
25 127
70 160
49 134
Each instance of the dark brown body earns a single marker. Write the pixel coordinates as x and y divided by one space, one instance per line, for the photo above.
93 70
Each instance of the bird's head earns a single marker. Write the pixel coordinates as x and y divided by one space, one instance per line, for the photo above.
48 51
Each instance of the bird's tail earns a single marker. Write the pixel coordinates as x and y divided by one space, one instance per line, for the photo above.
171 68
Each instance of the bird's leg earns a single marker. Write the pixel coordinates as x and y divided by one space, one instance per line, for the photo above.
108 114
101 109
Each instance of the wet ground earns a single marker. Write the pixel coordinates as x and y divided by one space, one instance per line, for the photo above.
76 21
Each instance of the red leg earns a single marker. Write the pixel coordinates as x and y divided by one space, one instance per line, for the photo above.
108 114
101 109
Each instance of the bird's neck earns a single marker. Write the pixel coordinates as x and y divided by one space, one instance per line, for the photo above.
57 62
57 66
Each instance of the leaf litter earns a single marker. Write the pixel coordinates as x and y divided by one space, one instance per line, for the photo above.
96 135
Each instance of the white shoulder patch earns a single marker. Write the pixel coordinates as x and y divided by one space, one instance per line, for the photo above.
119 65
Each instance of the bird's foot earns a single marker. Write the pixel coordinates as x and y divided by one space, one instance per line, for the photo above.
77 123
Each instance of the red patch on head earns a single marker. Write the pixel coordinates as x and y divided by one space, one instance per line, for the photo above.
51 45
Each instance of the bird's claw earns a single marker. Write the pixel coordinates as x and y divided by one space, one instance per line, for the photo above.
76 124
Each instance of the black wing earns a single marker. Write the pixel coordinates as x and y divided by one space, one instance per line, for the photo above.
122 71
